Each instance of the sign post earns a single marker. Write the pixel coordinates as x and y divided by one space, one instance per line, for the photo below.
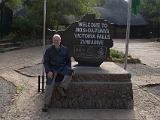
44 36
127 33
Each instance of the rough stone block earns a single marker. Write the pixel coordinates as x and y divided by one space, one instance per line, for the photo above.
107 86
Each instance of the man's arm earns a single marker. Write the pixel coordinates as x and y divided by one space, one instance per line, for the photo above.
68 59
46 61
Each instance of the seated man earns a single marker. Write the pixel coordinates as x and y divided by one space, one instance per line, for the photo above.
56 61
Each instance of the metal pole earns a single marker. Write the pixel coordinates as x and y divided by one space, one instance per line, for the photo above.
44 26
127 33
39 82
42 84
44 42
44 33
1 23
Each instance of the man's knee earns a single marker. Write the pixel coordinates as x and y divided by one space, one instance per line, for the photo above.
59 77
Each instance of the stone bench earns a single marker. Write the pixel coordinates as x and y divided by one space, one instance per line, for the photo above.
104 87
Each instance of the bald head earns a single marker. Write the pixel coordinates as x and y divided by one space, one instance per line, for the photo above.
56 39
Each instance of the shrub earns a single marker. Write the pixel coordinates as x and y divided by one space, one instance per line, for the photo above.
117 56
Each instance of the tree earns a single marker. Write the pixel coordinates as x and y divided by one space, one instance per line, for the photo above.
68 7
150 9
13 4
55 10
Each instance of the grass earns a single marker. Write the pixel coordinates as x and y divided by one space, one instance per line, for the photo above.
2 50
20 88
117 56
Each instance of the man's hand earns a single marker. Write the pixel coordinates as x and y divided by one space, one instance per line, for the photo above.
50 75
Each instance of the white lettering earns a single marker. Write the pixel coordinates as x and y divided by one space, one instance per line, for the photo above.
104 25
102 36
91 42
91 30
89 24
91 36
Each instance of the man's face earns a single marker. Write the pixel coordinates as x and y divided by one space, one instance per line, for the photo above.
56 41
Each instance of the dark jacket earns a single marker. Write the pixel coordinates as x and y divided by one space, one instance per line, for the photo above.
57 60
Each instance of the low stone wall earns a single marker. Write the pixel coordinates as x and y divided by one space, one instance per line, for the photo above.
107 86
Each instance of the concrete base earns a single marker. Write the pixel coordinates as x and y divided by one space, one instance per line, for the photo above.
107 86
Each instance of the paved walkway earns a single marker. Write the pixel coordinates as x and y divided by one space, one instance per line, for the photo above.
27 105
147 51
23 56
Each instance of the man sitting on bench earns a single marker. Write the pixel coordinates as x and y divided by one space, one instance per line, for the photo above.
56 61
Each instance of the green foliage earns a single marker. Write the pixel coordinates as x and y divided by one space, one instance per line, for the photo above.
20 88
13 4
2 50
57 8
100 2
135 6
24 26
117 56
33 19
150 9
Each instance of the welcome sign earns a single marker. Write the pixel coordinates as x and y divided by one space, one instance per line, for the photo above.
89 40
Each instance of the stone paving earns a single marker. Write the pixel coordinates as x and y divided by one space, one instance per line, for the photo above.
20 57
28 102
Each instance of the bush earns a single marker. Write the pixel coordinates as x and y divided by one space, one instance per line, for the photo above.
117 56
24 27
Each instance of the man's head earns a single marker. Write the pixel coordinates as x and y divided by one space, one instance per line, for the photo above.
56 39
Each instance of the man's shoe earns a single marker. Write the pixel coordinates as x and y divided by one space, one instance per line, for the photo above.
61 91
45 108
